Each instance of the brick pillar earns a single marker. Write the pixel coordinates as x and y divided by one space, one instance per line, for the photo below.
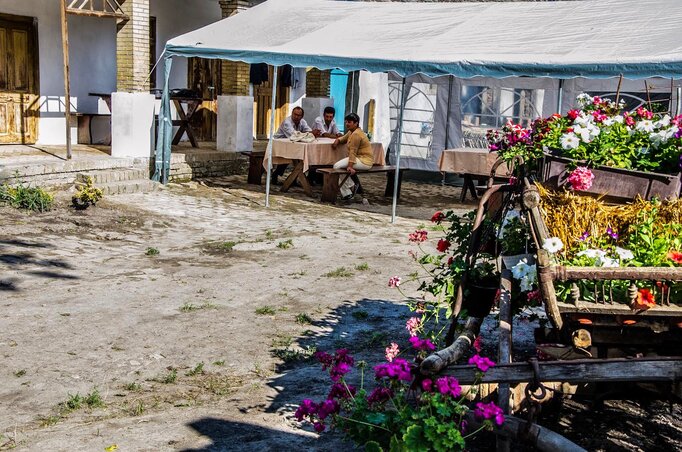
132 48
235 75
317 83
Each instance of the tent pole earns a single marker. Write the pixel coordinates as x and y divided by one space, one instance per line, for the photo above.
560 96
272 132
397 152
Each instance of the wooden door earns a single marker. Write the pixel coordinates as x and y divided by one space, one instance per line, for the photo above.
262 98
18 80
204 77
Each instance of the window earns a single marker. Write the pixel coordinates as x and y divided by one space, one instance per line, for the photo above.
486 108
420 106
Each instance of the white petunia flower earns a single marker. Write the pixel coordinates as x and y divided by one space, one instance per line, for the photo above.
663 122
587 132
607 262
553 245
613 120
569 141
645 125
526 285
522 269
592 253
624 254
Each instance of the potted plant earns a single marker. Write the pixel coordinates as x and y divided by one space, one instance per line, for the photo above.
597 149
482 287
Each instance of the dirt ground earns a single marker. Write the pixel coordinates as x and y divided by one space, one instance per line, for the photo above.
184 319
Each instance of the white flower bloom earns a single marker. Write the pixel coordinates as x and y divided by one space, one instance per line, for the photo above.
522 269
624 254
583 119
662 136
592 253
613 120
607 262
587 132
645 125
569 141
526 285
553 245
584 99
663 122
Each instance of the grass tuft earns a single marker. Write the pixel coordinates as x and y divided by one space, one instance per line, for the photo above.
285 244
303 319
340 272
265 310
152 251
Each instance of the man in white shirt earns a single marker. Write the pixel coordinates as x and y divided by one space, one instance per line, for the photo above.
291 124
325 126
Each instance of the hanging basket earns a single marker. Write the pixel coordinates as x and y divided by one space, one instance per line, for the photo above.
616 184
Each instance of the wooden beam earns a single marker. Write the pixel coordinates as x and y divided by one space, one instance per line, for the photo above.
67 89
577 371
106 14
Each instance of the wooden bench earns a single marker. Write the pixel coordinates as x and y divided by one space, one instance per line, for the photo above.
333 181
256 169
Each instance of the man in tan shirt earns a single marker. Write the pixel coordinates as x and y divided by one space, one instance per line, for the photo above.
360 155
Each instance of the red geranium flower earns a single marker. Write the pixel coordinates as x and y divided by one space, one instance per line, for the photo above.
675 256
645 299
443 245
438 217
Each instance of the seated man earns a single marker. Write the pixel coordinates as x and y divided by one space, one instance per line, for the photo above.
360 154
291 124
325 126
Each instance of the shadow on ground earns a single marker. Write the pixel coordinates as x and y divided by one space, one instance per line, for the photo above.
365 328
24 257
238 436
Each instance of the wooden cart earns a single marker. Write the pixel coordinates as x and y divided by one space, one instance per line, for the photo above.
620 344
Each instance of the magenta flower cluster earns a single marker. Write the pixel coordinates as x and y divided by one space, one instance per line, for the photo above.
317 412
444 385
338 364
481 362
489 411
397 369
379 396
424 345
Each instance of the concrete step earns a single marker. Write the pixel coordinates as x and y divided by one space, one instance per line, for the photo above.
128 187
116 175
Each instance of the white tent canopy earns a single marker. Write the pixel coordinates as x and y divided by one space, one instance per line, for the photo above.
594 38
562 40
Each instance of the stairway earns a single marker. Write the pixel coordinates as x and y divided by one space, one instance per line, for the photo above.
117 181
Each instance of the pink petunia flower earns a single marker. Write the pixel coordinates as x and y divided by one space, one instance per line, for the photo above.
581 178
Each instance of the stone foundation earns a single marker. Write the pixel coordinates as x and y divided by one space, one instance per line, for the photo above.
192 165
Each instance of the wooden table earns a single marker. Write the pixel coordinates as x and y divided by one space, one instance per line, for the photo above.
186 107
470 163
305 155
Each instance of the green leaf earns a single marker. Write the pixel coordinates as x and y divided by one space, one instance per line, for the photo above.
373 446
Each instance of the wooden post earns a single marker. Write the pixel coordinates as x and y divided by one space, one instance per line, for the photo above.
67 90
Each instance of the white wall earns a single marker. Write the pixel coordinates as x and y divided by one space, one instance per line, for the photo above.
93 62
176 17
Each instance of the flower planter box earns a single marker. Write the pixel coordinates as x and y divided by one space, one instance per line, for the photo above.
616 184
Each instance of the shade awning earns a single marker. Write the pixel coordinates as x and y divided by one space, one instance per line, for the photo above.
590 38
